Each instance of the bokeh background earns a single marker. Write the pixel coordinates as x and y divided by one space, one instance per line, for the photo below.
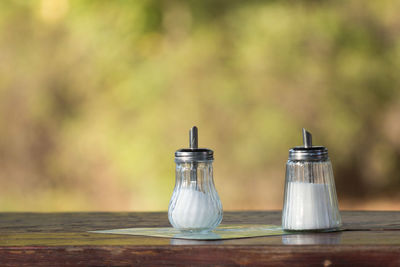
96 96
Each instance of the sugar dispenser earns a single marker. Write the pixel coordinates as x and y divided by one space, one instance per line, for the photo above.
310 201
195 205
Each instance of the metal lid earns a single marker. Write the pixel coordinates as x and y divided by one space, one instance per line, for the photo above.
308 151
193 153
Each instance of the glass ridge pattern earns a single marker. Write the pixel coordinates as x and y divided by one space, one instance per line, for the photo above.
195 205
310 200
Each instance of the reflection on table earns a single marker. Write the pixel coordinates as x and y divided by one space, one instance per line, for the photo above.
312 239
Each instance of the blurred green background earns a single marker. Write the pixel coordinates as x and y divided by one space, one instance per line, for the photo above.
96 96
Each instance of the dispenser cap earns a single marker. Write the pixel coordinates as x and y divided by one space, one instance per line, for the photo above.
193 153
308 151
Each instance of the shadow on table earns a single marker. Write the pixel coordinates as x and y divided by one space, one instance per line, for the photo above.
195 242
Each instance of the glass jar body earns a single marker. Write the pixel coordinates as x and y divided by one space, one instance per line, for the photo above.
310 201
195 205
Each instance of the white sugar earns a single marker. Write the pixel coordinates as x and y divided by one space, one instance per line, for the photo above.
194 210
310 206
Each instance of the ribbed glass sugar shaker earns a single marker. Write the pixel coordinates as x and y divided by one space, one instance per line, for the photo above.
195 205
310 201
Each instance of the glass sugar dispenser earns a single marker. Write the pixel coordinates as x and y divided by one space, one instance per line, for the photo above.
310 201
195 205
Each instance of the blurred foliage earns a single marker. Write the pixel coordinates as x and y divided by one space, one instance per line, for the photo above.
95 97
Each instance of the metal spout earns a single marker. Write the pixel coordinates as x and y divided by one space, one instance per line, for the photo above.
307 138
193 138
193 143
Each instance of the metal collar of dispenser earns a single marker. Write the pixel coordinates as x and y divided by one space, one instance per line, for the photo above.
197 154
314 153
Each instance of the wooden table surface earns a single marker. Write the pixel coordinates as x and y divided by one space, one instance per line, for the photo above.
59 239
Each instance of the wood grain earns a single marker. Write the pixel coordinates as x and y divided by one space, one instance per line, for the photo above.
61 239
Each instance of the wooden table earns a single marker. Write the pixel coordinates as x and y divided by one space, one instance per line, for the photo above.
59 239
